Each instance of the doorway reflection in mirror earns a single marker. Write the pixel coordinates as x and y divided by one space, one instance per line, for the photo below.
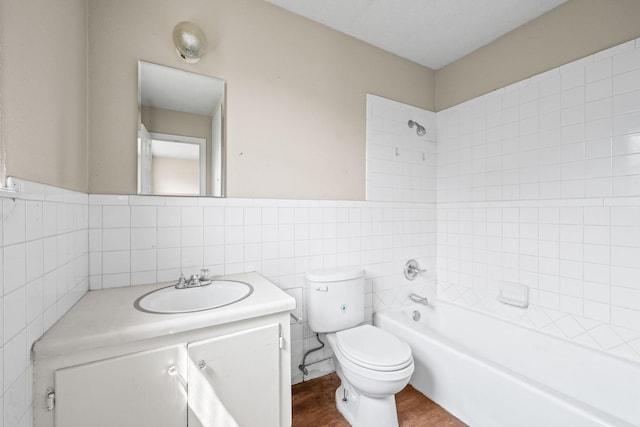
172 164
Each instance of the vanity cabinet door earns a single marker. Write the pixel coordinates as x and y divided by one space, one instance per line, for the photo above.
243 370
136 390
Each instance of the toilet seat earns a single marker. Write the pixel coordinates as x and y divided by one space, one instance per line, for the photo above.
372 348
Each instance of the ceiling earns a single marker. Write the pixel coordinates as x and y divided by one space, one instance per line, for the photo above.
433 33
177 90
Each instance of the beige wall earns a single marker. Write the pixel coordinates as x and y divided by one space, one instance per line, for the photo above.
43 85
573 30
295 93
296 90
175 176
176 122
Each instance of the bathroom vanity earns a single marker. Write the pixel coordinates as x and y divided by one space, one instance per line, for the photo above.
106 363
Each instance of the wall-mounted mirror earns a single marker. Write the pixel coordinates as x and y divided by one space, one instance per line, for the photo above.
180 132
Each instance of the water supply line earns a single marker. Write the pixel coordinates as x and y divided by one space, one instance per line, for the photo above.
303 366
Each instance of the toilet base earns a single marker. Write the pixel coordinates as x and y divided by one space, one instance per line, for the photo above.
364 411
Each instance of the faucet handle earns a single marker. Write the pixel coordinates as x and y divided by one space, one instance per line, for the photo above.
204 277
412 269
182 283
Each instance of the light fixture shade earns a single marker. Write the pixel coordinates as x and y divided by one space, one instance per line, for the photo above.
190 41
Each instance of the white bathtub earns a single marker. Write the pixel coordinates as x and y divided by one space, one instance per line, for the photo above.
488 372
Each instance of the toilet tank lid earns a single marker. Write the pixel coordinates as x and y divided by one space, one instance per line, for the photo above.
335 274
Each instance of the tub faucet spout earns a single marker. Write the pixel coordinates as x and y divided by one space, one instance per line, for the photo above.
419 299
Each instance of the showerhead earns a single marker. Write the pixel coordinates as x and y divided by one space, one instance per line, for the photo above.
420 130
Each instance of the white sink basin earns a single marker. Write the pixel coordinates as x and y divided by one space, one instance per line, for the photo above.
199 298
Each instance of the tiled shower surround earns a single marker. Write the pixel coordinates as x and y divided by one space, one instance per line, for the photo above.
537 183
401 165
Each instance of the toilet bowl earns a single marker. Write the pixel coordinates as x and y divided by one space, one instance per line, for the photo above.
372 364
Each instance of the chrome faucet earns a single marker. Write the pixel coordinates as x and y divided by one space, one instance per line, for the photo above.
194 281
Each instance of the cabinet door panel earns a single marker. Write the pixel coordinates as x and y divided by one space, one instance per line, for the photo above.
129 391
244 371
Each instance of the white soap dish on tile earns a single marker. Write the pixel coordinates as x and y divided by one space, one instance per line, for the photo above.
515 294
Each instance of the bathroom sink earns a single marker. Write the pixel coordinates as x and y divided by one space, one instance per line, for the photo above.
218 294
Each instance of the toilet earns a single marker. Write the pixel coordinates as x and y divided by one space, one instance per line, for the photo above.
372 364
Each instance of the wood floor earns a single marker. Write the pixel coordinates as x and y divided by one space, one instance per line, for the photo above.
314 406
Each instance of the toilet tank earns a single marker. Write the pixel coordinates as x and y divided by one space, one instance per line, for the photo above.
335 298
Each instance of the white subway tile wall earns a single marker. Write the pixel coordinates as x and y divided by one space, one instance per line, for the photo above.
401 165
141 239
539 183
44 271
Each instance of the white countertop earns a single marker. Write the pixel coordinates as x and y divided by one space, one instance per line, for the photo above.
107 317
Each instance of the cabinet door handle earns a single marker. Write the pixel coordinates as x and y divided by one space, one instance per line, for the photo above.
172 371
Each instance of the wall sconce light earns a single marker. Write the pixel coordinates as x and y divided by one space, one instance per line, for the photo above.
190 41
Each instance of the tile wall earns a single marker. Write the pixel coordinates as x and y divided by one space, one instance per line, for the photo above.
401 165
44 264
539 183
144 239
